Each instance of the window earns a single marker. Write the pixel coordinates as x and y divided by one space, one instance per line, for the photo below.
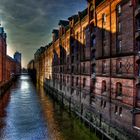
104 18
118 89
138 45
93 42
67 59
93 54
72 81
119 9
84 82
84 67
67 79
101 103
138 23
93 68
104 33
84 38
77 35
119 46
104 104
119 67
138 69
91 12
63 79
138 2
116 110
104 67
103 86
77 80
119 27
120 111
77 56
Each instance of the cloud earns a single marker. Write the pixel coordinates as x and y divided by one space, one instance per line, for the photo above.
29 23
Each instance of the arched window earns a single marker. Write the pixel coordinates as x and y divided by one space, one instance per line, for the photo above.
118 89
103 86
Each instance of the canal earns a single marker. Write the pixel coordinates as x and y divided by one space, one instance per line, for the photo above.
28 113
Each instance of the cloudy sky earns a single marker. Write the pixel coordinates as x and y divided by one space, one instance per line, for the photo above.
29 23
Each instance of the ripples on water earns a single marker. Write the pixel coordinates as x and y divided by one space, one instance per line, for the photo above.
26 115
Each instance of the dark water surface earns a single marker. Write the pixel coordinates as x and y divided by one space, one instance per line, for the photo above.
27 113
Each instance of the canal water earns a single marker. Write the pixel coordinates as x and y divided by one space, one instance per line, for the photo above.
28 113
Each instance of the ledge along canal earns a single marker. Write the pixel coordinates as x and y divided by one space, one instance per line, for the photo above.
28 113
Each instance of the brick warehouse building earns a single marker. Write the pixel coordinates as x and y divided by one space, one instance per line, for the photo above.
116 94
3 47
93 63
8 66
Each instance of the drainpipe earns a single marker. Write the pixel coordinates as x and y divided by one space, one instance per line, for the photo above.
110 68
134 83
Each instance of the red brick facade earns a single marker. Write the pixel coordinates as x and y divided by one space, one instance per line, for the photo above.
8 66
93 61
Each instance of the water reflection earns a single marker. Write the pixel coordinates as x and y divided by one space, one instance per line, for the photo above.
26 115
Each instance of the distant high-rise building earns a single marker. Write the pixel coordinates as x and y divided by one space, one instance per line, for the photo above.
17 57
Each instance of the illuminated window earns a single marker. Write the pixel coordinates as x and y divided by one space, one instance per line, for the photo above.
84 38
118 89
